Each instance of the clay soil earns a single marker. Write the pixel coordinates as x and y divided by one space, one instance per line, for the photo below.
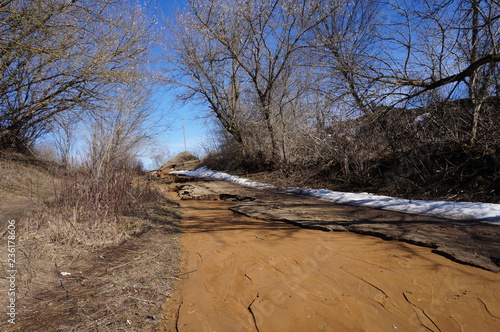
250 263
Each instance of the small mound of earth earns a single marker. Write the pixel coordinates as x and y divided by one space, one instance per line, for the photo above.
184 160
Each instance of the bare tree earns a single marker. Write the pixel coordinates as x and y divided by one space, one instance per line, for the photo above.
481 38
117 134
433 45
238 56
160 156
341 78
342 53
201 66
58 56
64 136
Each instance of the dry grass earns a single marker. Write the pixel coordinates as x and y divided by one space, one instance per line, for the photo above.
109 288
121 249
25 178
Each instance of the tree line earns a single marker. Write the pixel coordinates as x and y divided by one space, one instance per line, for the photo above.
291 84
327 80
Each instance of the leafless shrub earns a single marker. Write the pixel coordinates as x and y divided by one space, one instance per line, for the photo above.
93 210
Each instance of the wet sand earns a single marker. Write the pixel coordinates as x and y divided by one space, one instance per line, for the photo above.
244 274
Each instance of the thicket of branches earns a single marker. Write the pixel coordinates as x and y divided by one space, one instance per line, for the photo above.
64 62
353 89
77 72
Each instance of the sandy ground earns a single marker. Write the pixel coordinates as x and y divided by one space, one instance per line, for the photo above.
244 274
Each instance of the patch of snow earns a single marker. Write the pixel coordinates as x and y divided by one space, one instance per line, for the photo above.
422 120
205 172
483 212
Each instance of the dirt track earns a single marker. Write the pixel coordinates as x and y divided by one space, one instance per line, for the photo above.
245 274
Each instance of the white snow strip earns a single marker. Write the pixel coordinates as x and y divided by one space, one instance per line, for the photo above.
483 212
205 172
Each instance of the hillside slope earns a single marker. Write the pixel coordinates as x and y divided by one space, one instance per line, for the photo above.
72 272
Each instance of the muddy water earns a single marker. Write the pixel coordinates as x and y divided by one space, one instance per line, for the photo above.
244 274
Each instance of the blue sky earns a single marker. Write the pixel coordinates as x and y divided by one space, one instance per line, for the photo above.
196 131
172 138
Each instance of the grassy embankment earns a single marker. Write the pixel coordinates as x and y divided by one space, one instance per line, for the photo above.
92 252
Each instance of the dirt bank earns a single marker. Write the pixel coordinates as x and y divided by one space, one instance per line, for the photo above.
244 274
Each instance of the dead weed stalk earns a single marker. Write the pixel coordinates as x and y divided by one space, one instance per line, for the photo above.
93 209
